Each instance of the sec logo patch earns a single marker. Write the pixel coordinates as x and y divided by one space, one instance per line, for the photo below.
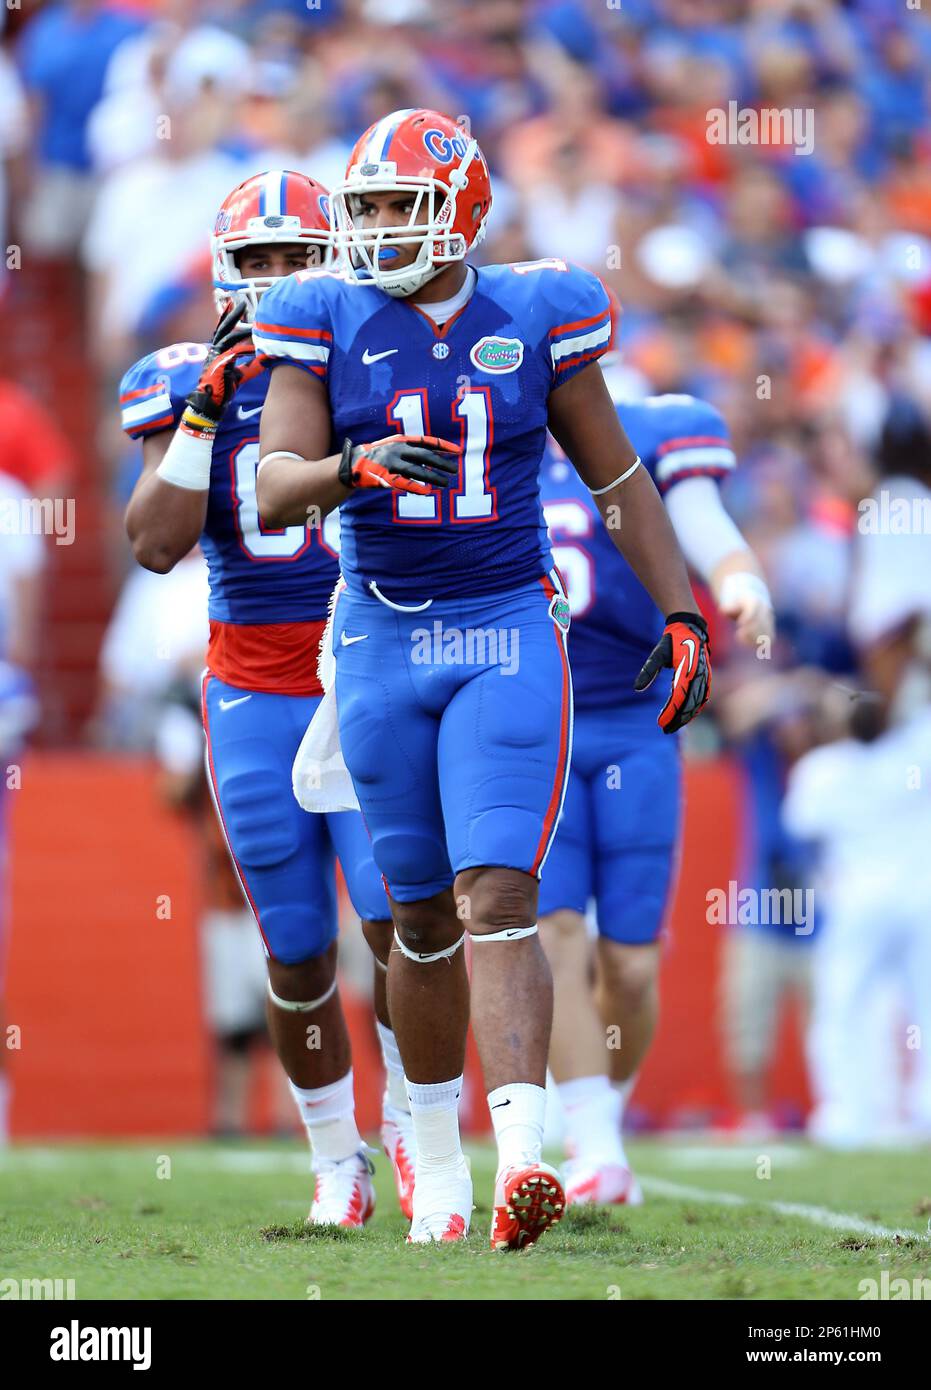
497 355
440 350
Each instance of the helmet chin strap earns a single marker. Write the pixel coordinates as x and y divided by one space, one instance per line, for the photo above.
415 283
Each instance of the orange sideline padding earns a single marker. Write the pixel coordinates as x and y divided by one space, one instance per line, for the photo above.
103 971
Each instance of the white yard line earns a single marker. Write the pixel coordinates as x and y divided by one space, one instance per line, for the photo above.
818 1216
736 1155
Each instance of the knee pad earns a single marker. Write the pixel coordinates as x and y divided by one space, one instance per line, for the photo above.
257 818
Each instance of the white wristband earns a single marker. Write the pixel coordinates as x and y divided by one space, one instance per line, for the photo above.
600 491
734 587
187 462
278 454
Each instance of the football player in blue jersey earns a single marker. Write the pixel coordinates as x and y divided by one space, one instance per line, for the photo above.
269 590
414 392
617 836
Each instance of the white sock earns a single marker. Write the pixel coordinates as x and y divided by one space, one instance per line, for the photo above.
395 1089
329 1115
435 1112
623 1089
517 1113
593 1111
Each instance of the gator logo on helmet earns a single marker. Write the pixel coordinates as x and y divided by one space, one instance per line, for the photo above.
497 355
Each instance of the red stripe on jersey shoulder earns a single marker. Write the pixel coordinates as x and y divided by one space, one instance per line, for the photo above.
578 357
150 426
690 442
696 471
290 332
603 317
143 391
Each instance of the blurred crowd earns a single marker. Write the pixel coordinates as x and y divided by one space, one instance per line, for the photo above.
790 286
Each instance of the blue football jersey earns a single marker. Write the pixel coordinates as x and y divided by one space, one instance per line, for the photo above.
482 380
257 575
615 623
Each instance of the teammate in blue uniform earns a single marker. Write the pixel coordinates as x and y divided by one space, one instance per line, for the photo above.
269 590
617 837
416 392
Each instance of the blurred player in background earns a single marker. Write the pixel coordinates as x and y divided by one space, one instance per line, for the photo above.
460 772
152 663
865 798
22 557
268 598
233 973
619 827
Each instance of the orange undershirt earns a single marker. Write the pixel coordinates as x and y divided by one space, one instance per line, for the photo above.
275 658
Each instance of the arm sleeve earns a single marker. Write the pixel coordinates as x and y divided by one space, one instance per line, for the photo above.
293 324
581 320
703 528
154 391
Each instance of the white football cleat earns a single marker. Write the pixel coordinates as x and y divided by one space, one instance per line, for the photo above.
344 1194
608 1184
397 1136
442 1204
529 1198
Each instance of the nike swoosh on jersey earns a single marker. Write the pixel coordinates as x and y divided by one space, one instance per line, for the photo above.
248 414
369 357
228 704
345 641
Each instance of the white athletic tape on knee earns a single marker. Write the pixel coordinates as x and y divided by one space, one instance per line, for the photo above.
428 957
509 934
292 1006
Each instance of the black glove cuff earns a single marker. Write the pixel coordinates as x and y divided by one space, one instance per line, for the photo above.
203 404
692 619
344 472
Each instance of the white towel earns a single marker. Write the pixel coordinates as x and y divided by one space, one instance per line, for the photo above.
319 777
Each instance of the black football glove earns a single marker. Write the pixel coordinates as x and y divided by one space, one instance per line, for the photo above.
405 462
230 361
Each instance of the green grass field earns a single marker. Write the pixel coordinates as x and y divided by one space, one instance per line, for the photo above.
228 1224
